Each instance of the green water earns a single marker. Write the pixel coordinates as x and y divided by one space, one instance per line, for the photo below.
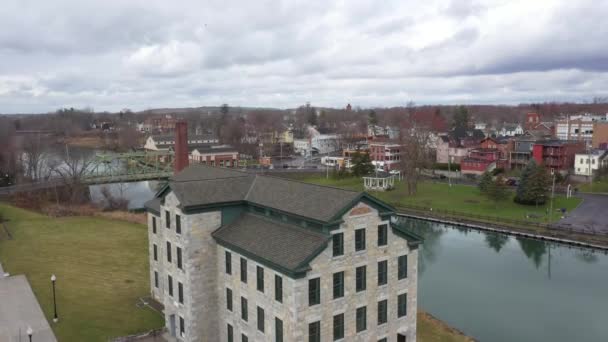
501 288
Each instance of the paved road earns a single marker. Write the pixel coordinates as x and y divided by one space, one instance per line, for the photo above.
589 216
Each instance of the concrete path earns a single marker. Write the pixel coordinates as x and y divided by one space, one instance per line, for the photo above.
590 216
19 310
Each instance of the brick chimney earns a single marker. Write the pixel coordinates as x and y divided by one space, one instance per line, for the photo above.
181 146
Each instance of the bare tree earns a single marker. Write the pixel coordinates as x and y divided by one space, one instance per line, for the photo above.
33 157
72 171
416 154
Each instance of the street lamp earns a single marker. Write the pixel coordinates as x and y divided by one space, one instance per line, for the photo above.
55 318
29 332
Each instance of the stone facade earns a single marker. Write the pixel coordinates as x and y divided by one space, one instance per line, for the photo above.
205 282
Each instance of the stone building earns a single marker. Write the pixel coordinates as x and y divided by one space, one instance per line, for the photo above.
242 257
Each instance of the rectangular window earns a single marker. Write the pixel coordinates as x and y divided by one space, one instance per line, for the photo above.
228 263
382 235
155 279
260 279
314 332
182 326
382 272
180 292
244 338
229 299
382 312
154 224
338 327
178 224
402 267
230 333
338 285
278 330
361 319
314 291
278 288
170 284
402 305
361 278
338 244
179 258
167 219
168 252
359 239
260 319
244 270
244 309
155 252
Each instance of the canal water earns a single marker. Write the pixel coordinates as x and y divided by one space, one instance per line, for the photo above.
500 288
137 193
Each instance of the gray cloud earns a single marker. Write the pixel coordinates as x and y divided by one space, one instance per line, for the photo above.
139 54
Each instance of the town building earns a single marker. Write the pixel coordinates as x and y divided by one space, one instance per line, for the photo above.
600 135
520 152
578 127
158 124
385 154
480 160
221 155
451 150
557 155
236 256
588 163
165 142
510 130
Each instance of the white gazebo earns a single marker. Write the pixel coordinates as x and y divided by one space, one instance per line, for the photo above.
381 181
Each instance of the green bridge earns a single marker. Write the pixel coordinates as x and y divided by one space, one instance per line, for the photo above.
129 167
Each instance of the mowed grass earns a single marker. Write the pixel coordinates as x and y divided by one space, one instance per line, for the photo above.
460 198
430 329
600 186
101 267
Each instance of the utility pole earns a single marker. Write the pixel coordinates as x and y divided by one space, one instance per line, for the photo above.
449 168
552 195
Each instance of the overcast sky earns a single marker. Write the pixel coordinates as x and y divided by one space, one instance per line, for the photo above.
138 54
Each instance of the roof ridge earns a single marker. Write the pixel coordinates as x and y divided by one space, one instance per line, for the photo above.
205 180
314 184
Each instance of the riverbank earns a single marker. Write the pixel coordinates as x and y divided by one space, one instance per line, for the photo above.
431 329
464 205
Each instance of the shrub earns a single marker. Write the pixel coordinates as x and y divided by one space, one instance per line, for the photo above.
444 166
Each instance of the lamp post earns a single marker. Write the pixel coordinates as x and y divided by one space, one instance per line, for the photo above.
55 318
29 332
552 195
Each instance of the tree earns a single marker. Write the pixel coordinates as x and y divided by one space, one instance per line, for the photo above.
416 154
497 190
484 182
372 118
533 185
461 118
362 164
72 170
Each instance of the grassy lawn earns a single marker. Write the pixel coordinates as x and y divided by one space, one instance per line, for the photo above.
101 267
429 329
460 198
597 186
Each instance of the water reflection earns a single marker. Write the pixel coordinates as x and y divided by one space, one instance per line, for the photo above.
137 193
486 283
496 241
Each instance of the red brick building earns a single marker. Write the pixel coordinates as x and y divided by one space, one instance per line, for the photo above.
385 154
557 155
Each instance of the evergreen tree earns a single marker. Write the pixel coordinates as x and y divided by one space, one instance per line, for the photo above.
533 185
497 190
372 118
362 164
461 118
484 182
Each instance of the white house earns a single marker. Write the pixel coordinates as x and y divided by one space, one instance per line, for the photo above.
511 130
585 164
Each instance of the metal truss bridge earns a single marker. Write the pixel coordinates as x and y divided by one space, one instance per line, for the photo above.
129 167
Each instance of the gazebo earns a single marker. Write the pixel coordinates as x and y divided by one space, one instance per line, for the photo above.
380 181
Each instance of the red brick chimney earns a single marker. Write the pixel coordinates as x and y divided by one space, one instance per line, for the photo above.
181 146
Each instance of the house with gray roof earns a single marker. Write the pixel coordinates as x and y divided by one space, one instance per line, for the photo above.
236 256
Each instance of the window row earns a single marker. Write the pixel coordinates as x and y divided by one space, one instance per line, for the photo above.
178 222
314 329
314 285
178 253
180 287
360 243
278 328
260 276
